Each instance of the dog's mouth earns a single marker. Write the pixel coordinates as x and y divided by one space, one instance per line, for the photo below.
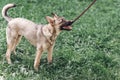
67 26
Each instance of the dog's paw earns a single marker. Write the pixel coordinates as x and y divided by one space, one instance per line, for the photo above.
36 69
50 62
9 62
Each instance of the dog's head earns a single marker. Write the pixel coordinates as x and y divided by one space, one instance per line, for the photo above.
59 23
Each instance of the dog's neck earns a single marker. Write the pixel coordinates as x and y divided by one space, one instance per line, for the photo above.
52 30
54 33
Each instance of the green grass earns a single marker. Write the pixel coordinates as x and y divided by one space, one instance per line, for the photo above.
91 51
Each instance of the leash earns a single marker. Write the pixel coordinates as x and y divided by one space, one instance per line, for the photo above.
72 21
83 11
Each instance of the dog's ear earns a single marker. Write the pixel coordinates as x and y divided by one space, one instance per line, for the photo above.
54 15
50 20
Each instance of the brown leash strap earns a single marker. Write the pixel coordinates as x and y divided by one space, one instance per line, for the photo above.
83 11
72 21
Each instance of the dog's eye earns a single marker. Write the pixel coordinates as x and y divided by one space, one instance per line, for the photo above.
60 20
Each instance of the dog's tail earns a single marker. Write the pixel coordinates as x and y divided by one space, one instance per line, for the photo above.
5 9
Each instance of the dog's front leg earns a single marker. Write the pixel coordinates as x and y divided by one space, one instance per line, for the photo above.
37 58
49 57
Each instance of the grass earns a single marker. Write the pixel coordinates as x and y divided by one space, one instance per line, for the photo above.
91 51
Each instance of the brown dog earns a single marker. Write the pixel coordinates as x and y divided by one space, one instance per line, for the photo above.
41 36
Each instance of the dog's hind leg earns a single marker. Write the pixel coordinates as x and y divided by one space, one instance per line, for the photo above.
15 43
11 38
8 53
